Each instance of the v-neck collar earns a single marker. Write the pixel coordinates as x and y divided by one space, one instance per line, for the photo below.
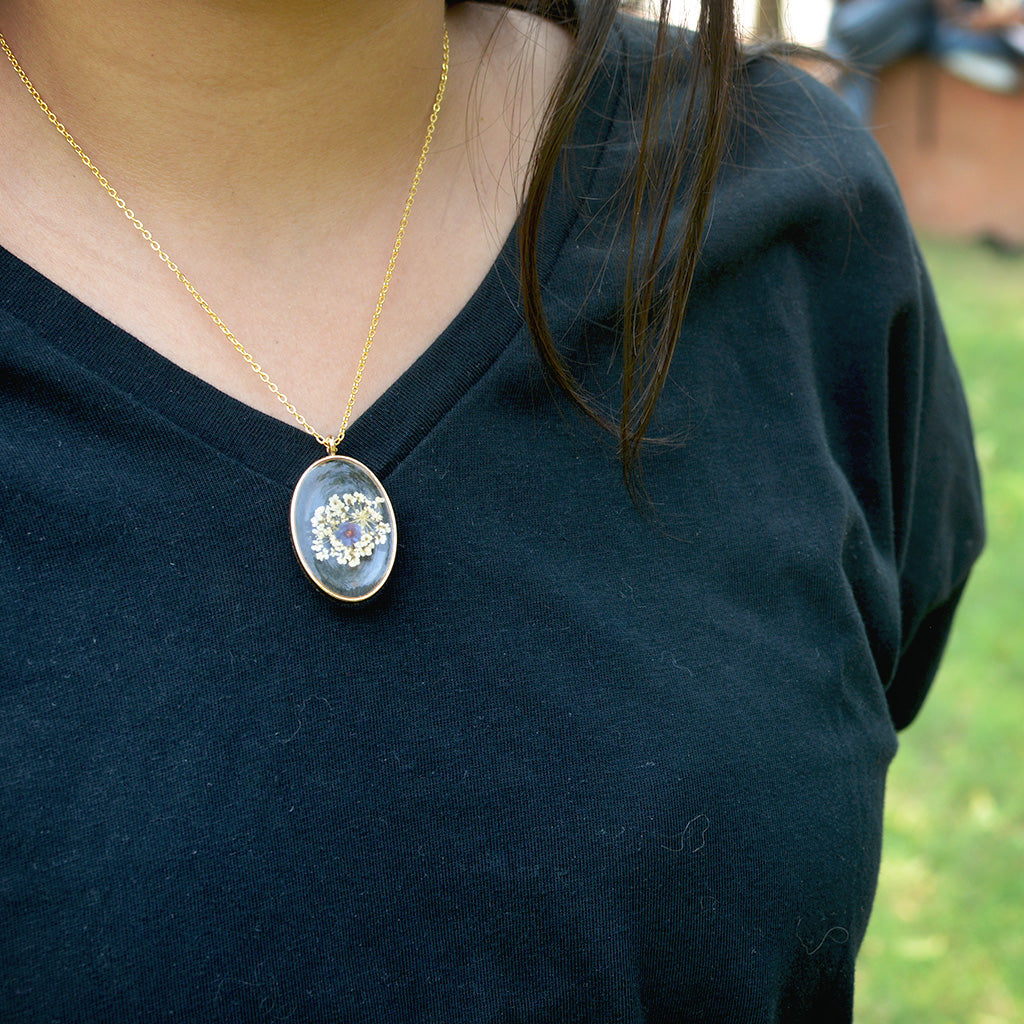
399 419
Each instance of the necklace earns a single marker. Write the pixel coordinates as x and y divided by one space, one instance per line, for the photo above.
342 523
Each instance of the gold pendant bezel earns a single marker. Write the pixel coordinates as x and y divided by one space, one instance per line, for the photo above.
351 486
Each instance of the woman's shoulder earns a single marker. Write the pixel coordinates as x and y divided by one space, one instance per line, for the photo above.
785 122
796 164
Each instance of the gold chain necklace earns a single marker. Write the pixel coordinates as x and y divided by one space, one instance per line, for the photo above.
342 523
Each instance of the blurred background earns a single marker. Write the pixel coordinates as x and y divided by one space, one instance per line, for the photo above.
942 92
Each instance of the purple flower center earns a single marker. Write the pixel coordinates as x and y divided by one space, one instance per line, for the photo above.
349 534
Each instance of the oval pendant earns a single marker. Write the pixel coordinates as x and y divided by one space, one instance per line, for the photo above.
343 528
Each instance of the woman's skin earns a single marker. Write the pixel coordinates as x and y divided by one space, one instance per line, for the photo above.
269 146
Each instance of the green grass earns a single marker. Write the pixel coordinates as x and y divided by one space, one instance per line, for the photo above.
946 941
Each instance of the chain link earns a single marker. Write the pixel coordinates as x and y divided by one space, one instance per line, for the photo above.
330 442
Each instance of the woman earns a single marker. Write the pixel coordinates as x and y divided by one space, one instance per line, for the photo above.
582 756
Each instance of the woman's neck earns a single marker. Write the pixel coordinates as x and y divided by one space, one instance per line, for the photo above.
233 102
271 156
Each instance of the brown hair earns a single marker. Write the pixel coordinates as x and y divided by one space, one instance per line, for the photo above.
654 302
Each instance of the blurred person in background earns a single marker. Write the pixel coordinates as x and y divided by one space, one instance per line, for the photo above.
981 42
543 659
974 40
870 35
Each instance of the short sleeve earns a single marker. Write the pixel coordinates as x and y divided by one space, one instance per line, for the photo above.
938 519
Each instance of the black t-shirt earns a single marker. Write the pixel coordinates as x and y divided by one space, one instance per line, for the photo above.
575 762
